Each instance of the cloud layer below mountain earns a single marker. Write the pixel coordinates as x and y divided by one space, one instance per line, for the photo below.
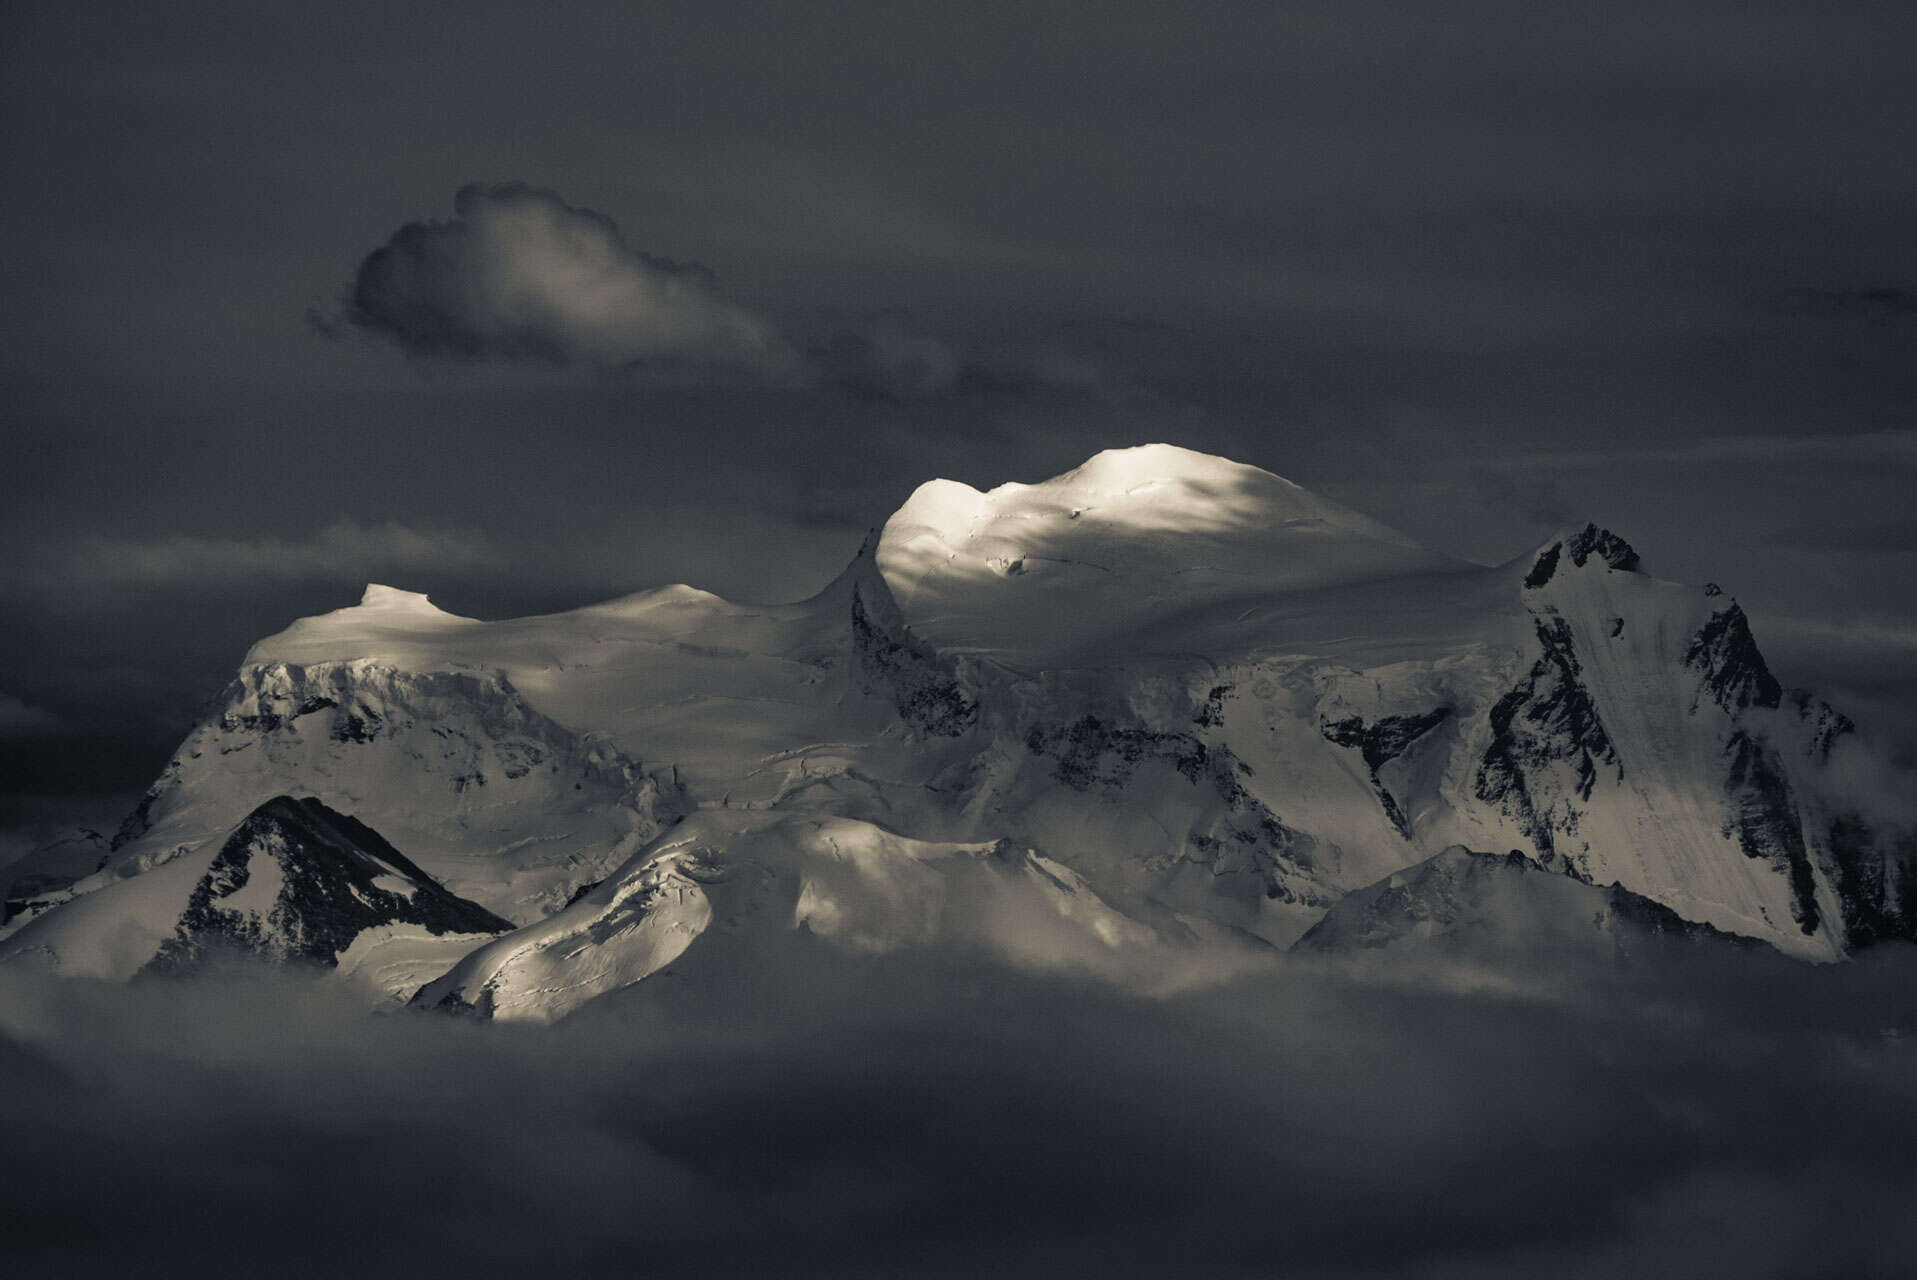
931 1116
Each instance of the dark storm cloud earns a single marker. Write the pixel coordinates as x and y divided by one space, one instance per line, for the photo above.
342 551
932 1116
1876 537
519 274
889 354
1882 300
1536 498
18 720
1895 447
1384 250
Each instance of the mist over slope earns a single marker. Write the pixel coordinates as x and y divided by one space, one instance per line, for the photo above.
935 1113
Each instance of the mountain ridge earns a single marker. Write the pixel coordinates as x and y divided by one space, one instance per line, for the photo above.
1227 703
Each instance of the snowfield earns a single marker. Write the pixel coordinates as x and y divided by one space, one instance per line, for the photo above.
1148 720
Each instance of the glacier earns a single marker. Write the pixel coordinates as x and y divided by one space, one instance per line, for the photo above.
1149 720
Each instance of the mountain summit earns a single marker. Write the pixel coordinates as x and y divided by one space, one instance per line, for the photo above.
1147 719
1133 535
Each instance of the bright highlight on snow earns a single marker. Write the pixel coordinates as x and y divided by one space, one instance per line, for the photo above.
1151 721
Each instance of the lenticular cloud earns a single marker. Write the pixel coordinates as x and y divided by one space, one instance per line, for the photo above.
520 275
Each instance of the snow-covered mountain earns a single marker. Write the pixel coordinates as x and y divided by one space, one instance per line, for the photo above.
293 882
496 800
1136 719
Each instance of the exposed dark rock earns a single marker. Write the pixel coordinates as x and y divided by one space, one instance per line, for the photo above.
1650 918
1381 742
1546 565
1827 724
1606 546
1212 713
459 1006
1584 545
1765 820
1549 717
328 865
1386 739
1091 753
360 725
1875 876
1732 670
928 695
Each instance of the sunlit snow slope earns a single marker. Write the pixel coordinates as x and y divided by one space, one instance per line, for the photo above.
1175 700
1070 568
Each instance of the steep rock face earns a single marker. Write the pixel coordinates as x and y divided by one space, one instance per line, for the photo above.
1731 671
1768 827
1581 548
1592 542
299 882
924 689
294 882
1649 743
1876 881
1820 726
1547 724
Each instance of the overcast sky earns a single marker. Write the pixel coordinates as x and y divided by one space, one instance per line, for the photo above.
1477 273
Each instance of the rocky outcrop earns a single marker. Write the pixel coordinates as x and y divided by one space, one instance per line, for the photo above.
1731 671
1589 543
1876 882
1592 543
1765 818
925 690
1549 718
297 882
1379 743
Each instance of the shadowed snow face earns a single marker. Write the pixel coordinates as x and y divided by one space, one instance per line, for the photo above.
932 1115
